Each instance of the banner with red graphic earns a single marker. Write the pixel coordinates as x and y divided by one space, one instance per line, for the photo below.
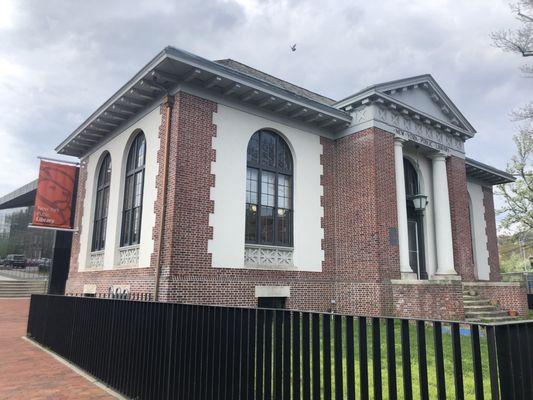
56 190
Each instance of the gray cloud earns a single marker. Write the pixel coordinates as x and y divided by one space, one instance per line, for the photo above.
59 60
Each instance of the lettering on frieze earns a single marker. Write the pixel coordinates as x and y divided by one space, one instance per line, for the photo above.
413 130
422 140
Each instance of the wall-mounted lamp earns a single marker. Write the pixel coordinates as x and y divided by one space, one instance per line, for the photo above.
420 201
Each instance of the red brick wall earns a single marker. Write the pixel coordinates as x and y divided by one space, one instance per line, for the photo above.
510 296
364 210
461 231
492 236
425 300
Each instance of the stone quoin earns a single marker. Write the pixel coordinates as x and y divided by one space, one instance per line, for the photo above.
230 186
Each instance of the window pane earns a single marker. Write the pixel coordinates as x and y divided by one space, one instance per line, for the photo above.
136 226
251 185
137 198
126 224
411 178
130 166
107 178
268 150
284 226
284 156
251 223
105 202
268 180
413 244
267 224
284 191
253 149
103 226
140 151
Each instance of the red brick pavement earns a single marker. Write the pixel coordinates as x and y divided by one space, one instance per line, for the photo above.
28 373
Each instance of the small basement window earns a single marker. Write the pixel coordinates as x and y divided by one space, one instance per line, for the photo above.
271 302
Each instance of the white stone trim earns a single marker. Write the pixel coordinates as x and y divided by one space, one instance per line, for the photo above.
268 256
272 291
96 260
128 255
89 289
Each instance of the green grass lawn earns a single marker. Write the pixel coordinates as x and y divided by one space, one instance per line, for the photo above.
468 377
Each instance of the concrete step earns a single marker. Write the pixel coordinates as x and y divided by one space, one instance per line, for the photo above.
20 288
35 290
483 314
491 319
479 302
468 296
480 307
15 295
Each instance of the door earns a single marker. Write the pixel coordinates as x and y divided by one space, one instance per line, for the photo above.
416 245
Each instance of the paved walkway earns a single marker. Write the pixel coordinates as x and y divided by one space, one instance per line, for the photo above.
27 372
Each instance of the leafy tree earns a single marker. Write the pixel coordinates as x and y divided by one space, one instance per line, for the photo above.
518 208
518 196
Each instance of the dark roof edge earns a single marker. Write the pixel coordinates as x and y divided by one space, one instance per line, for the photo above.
501 176
273 80
181 55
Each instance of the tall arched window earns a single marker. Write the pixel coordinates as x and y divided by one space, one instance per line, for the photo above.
133 192
101 205
269 190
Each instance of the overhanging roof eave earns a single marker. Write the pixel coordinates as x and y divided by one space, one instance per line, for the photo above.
484 172
80 145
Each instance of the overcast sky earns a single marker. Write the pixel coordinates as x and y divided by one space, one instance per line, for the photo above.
60 59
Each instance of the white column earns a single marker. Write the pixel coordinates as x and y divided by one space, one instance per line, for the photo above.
401 205
443 221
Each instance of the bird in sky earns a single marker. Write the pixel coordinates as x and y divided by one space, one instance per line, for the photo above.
293 47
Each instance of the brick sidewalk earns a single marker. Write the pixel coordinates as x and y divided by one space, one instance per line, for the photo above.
28 373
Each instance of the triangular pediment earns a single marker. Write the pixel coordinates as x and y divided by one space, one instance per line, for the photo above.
420 94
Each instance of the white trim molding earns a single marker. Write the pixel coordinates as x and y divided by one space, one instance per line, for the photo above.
96 260
128 255
272 291
268 256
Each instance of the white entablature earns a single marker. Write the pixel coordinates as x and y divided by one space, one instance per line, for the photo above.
415 108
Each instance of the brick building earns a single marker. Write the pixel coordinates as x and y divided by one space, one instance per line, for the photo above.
211 182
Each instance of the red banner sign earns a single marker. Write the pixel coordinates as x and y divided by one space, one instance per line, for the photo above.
55 194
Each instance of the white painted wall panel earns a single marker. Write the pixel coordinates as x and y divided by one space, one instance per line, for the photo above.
481 253
234 130
118 147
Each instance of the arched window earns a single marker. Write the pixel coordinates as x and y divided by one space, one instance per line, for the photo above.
102 202
411 178
269 190
133 193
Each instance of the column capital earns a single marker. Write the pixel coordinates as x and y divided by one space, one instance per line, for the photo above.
399 141
438 156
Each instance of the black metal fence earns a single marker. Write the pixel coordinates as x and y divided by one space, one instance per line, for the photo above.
150 350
